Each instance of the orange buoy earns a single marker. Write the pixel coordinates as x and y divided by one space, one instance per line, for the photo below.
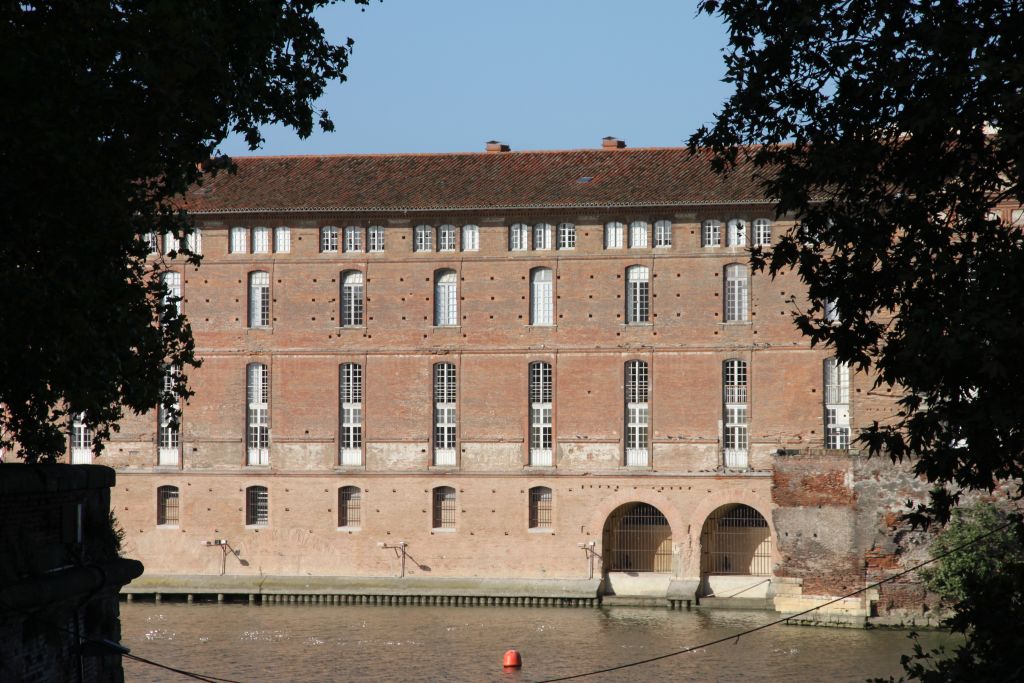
512 660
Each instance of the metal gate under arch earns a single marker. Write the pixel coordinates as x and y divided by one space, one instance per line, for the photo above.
637 538
735 539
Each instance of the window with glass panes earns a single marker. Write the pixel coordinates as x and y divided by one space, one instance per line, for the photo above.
376 238
541 391
239 240
328 239
637 295
282 240
167 506
445 404
737 293
259 299
257 506
837 404
735 400
81 441
257 414
711 233
638 234
518 236
261 240
443 516
352 299
566 236
663 233
613 235
762 232
149 238
172 283
446 302
168 428
350 393
353 238
446 236
637 413
350 507
737 233
194 241
542 302
171 243
541 508
542 236
470 238
423 238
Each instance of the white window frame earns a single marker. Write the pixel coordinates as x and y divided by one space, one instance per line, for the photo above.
172 283
282 240
445 439
542 236
171 243
329 239
518 237
566 236
353 238
168 431
257 433
613 232
353 297
735 402
446 299
638 295
638 235
81 441
762 232
737 293
638 415
350 395
711 233
662 234
375 238
259 299
194 241
152 246
447 237
239 243
261 240
470 237
837 404
423 238
542 298
736 232
541 390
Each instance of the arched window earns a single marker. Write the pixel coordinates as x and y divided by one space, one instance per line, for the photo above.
352 299
259 299
446 300
735 539
663 233
167 506
470 237
257 391
172 283
541 392
168 429
711 233
737 233
261 240
424 238
350 507
350 394
613 235
566 236
638 234
542 236
637 413
837 404
257 506
446 238
638 289
542 302
376 238
81 441
540 507
328 239
762 232
518 236
445 422
737 293
735 399
353 238
444 508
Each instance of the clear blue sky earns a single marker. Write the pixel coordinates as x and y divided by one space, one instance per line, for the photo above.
448 75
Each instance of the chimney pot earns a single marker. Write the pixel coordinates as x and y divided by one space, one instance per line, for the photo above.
495 146
611 142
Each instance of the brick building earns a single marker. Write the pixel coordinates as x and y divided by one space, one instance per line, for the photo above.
531 365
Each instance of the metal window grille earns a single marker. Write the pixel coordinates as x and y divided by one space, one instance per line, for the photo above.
328 239
638 234
352 299
350 507
663 234
172 283
637 413
424 238
446 302
282 240
258 414
542 236
518 236
353 238
735 539
737 233
735 398
446 238
376 238
541 508
167 506
444 508
541 299
261 240
541 393
171 243
613 235
257 506
762 232
351 398
566 236
445 398
239 240
639 540
637 294
470 238
81 441
737 293
711 233
259 299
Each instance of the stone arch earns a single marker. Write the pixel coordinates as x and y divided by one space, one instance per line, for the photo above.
628 495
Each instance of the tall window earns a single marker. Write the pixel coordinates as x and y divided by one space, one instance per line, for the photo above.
259 299
542 236
831 311
762 232
446 301
376 238
171 243
168 429
446 238
172 283
737 233
711 233
282 240
328 239
444 508
837 404
194 241
566 236
257 506
638 234
541 390
613 235
353 238
261 240
167 506
637 413
350 507
663 234
445 399
540 507
518 236
541 300
470 238
81 441
149 239
638 292
350 394
352 299
735 398
257 392
423 238
737 293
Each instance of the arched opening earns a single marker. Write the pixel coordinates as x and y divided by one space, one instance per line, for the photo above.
735 540
637 538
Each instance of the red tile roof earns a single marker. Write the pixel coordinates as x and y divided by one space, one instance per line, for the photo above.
496 180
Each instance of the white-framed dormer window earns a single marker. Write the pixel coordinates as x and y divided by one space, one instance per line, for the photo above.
736 233
735 401
711 233
638 293
81 441
542 298
423 238
328 239
737 293
261 240
282 240
446 237
762 232
613 235
257 391
375 238
445 404
470 237
663 233
566 236
168 430
259 299
542 236
351 399
353 238
171 243
541 392
518 237
194 241
837 404
637 414
446 300
239 240
638 234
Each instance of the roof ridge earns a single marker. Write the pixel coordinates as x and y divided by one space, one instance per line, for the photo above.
376 155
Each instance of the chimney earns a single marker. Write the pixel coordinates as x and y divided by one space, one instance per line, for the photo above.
612 143
495 146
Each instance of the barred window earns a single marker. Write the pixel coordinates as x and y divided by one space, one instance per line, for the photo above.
352 299
328 239
711 233
423 238
470 238
167 506
445 404
168 428
663 234
446 301
737 293
261 240
735 398
282 240
376 238
444 508
613 235
762 232
566 236
446 236
81 441
257 414
737 233
353 238
350 394
259 299
540 508
172 284
518 237
541 297
542 236
541 390
194 241
350 507
257 506
637 295
637 413
638 234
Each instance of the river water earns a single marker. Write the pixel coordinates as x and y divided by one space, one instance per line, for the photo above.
412 643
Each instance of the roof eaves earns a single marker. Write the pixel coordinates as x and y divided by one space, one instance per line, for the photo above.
482 207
